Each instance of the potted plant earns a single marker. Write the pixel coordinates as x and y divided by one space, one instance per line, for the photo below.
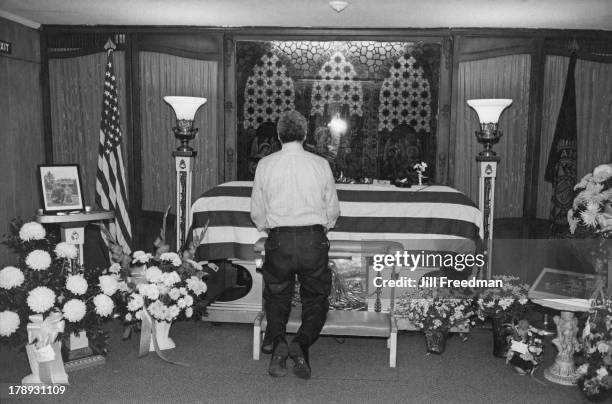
504 306
435 312
594 360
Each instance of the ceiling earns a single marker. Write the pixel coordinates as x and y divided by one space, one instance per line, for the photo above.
561 14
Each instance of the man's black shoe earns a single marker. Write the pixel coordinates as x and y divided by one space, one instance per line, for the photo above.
301 368
267 347
278 362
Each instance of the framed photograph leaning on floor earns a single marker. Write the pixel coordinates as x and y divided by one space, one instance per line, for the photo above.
60 187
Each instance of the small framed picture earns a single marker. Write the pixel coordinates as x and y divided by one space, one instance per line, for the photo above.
60 187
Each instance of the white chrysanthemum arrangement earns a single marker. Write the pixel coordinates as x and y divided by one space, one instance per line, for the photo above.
166 287
50 280
592 206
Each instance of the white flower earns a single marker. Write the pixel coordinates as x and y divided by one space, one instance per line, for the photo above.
589 218
172 258
74 310
582 370
603 347
602 172
32 231
136 302
9 323
104 305
183 290
115 268
149 291
11 277
163 289
583 182
65 250
41 299
141 257
573 223
170 278
38 260
76 284
128 317
108 284
174 293
196 285
181 303
188 300
158 310
173 312
602 372
153 274
138 315
188 312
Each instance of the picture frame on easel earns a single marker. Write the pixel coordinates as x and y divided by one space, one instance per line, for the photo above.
60 188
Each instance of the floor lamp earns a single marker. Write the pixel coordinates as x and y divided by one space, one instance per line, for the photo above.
185 109
488 111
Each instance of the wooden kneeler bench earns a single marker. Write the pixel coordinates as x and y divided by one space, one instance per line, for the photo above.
375 322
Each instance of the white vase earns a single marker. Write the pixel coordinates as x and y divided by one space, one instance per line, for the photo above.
162 329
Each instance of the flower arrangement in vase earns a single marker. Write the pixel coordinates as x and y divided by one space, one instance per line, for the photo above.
594 360
163 288
435 312
591 212
504 306
525 348
51 291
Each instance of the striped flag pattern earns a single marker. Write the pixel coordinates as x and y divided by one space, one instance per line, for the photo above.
111 191
434 217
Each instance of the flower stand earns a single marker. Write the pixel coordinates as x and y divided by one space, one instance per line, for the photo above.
435 340
162 330
46 364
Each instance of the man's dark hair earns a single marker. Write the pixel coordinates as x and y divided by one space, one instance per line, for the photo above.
291 127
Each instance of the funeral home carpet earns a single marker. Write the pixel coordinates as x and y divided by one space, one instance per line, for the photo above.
221 370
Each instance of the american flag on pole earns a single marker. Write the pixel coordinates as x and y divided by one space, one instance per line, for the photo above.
111 191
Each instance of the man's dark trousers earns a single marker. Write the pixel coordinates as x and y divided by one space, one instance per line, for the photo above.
302 251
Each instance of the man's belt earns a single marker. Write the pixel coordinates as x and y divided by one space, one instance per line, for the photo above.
297 229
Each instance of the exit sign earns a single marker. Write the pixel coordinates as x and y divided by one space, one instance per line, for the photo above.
5 47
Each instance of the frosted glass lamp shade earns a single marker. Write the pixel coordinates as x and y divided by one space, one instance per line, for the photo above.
489 110
185 108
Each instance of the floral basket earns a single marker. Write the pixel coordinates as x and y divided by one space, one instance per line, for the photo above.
504 306
594 360
435 312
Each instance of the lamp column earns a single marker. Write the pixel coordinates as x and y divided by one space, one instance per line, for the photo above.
486 203
184 172
185 109
488 111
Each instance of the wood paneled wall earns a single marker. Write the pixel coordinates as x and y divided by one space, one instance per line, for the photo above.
163 75
500 77
21 131
76 86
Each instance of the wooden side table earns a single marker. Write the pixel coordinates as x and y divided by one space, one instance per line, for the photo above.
72 229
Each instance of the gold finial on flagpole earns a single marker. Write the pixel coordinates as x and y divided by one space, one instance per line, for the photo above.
109 45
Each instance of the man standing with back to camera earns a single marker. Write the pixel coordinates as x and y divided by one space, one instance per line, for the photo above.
294 199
